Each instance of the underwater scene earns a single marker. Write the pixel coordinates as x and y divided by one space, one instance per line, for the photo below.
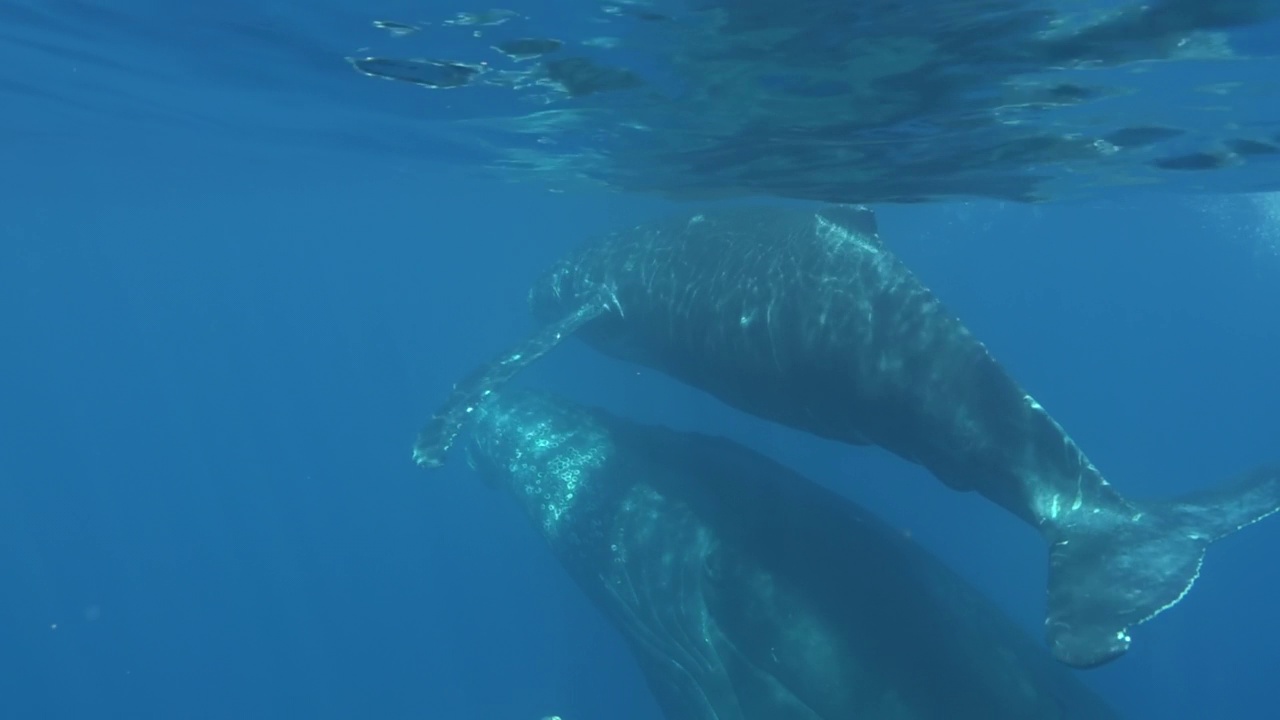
640 360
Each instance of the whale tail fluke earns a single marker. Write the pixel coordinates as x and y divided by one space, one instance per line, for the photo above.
1123 567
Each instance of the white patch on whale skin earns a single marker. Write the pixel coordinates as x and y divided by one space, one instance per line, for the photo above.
547 464
1194 577
1052 506
554 473
610 294
836 234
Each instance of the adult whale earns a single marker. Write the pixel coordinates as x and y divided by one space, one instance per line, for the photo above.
747 592
805 318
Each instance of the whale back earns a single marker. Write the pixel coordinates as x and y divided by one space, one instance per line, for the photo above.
859 597
719 300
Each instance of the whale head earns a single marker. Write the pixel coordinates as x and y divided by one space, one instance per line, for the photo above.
545 452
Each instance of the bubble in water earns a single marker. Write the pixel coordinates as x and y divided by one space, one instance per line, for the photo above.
1252 219
1267 206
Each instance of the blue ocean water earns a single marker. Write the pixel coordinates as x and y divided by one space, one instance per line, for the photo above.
226 311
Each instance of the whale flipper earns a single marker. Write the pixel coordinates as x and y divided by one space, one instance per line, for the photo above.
1121 569
437 437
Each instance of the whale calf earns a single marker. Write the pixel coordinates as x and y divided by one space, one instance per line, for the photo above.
745 591
805 318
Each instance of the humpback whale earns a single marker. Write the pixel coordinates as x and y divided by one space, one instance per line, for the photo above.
805 318
748 592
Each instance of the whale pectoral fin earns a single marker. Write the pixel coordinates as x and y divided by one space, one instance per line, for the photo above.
1119 570
437 437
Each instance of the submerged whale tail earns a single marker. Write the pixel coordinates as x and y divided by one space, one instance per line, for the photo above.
1122 568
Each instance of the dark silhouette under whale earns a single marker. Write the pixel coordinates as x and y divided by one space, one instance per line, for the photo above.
804 318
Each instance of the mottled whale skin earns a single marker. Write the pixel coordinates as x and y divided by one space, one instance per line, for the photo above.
747 592
805 318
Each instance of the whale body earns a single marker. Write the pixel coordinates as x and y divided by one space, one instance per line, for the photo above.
805 318
745 591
